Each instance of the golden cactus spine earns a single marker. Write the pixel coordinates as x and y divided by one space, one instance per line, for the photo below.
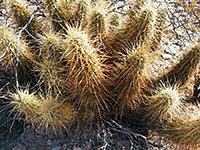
85 68
164 104
130 79
27 104
48 66
183 130
46 112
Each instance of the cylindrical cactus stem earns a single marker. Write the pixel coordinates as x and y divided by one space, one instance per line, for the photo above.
164 104
54 114
12 46
48 64
86 70
46 112
184 130
22 15
26 103
53 11
184 69
100 20
139 22
49 73
72 11
130 78
155 35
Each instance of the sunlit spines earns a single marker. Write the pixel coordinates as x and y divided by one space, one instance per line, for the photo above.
51 40
26 103
164 104
140 21
72 11
11 47
113 25
49 112
83 53
54 114
48 66
130 78
48 72
81 49
98 20
155 36
184 130
86 67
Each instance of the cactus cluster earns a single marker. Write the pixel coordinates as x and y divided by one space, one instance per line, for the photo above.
87 59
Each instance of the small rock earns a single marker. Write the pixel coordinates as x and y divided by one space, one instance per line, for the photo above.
88 145
166 56
64 146
172 49
49 142
76 148
57 148
19 147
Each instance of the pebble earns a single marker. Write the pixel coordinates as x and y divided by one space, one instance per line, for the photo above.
166 56
57 148
76 148
19 147
172 49
64 146
49 142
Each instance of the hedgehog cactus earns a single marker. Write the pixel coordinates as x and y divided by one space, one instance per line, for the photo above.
85 65
47 64
9 46
141 21
184 129
164 104
97 18
54 114
46 112
130 78
88 60
26 102
21 16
